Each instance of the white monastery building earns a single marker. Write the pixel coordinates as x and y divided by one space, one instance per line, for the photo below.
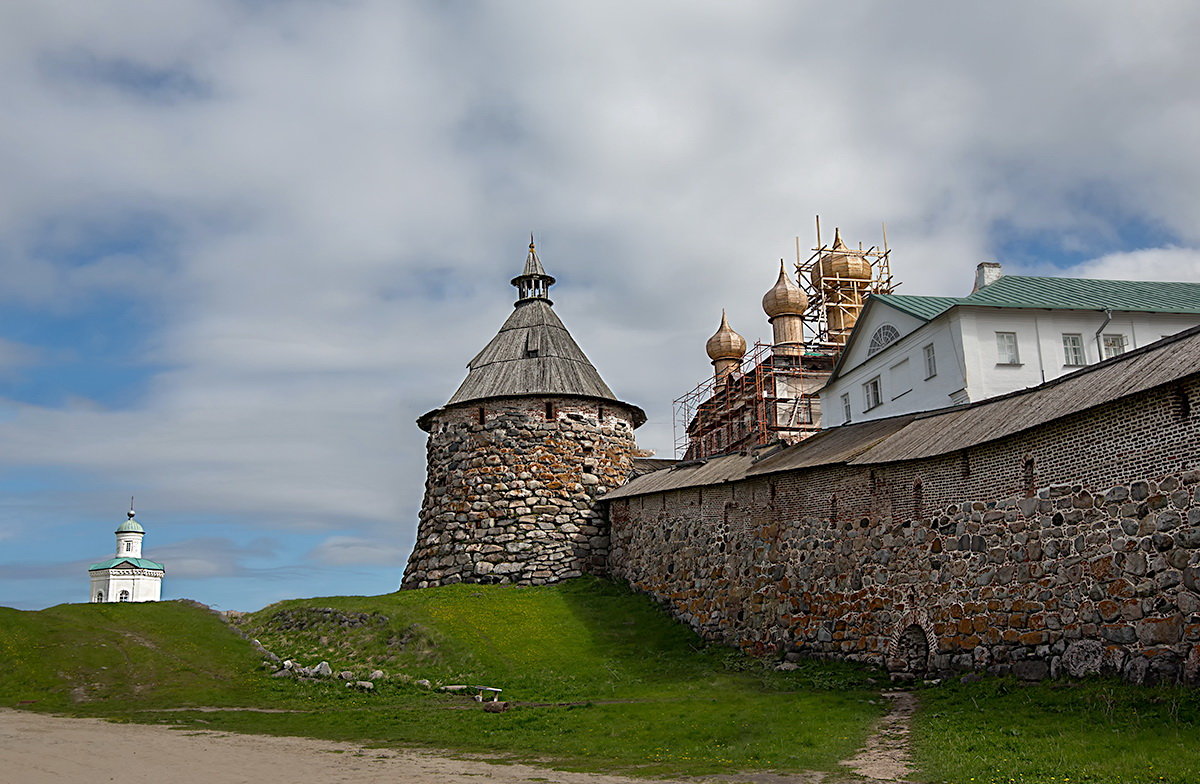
916 353
127 577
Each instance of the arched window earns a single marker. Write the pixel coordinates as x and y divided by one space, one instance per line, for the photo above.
99 596
124 596
883 336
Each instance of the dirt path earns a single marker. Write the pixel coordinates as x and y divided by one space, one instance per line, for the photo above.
885 757
40 749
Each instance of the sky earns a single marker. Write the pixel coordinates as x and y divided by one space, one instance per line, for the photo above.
244 244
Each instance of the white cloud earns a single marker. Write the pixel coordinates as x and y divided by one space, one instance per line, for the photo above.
357 551
337 194
1171 263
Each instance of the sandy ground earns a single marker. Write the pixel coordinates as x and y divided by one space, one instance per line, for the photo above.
39 749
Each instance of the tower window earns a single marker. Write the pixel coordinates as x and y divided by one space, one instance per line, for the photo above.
124 596
99 596
482 415
128 546
549 411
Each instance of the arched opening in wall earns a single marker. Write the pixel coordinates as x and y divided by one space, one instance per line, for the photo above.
1182 404
833 510
482 415
1029 476
549 411
123 596
600 413
964 463
911 651
99 596
918 499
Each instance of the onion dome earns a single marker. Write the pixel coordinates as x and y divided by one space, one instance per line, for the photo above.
725 343
845 265
130 526
785 297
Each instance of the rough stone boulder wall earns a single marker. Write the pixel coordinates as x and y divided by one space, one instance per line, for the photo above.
512 487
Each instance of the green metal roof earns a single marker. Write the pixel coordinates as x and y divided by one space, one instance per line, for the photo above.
924 308
1025 291
137 563
131 526
1020 291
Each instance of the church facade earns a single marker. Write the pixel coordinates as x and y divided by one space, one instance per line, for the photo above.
127 576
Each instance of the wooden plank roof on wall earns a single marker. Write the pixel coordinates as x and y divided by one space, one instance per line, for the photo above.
915 436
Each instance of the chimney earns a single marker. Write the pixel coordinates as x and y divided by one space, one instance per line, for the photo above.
986 272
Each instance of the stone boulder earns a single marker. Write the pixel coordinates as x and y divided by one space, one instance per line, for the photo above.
1083 658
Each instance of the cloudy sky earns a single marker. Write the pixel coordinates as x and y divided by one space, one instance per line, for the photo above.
244 243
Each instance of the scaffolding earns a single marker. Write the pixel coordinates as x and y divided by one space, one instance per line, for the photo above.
770 397
837 281
773 394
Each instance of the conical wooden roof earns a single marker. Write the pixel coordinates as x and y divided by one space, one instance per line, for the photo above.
533 354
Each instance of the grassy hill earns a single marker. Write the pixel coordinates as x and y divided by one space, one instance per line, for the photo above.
600 677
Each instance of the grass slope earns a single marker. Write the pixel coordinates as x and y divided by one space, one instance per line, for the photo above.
1096 731
601 678
100 657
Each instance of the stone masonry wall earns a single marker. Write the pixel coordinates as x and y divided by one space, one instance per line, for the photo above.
1071 548
511 489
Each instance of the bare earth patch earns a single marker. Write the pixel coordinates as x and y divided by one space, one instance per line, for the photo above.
40 749
885 757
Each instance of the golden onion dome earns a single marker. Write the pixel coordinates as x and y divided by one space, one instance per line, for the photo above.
725 343
840 265
785 297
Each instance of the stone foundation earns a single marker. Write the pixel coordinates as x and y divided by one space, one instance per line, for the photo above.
511 490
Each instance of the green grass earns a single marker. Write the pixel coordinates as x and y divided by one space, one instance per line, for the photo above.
1097 731
601 678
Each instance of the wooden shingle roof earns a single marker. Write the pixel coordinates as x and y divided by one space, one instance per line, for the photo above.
532 354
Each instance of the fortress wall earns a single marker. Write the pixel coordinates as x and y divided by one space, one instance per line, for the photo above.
1070 548
511 487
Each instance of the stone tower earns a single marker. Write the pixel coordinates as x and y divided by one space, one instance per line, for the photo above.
519 455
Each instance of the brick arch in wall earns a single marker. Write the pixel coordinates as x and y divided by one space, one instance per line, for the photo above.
912 633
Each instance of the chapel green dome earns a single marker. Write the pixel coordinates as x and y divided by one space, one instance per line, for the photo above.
131 526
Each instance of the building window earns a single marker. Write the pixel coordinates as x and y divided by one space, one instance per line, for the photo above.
1073 351
99 596
930 362
1006 349
549 411
1114 345
124 596
128 546
883 336
845 408
871 395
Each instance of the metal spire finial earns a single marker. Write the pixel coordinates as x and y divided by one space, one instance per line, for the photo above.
131 512
531 240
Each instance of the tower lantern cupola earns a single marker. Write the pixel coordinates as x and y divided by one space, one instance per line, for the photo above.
533 282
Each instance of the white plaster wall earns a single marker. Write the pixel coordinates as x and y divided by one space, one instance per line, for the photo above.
901 392
965 347
141 587
1039 339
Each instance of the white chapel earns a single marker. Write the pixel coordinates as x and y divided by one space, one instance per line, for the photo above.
127 577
